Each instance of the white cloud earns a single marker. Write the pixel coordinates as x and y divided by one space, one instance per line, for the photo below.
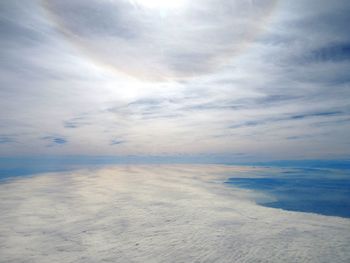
156 214
61 75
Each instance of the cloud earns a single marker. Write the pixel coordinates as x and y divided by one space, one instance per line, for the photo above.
152 45
287 118
316 114
6 139
116 142
333 52
157 213
243 80
55 140
76 122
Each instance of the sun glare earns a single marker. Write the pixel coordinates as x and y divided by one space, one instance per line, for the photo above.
159 4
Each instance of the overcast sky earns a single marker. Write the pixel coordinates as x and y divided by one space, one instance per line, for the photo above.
252 79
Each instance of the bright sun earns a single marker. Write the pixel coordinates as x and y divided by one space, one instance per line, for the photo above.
159 4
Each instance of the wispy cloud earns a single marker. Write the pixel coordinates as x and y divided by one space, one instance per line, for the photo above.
117 142
76 122
55 140
6 139
287 118
206 79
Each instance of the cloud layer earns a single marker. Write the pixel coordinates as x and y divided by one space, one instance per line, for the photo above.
157 214
160 44
265 78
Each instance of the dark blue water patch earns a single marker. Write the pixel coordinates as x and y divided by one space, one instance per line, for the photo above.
310 193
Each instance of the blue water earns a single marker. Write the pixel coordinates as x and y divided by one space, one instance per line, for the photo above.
325 192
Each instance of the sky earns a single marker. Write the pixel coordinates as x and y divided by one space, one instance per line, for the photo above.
247 79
